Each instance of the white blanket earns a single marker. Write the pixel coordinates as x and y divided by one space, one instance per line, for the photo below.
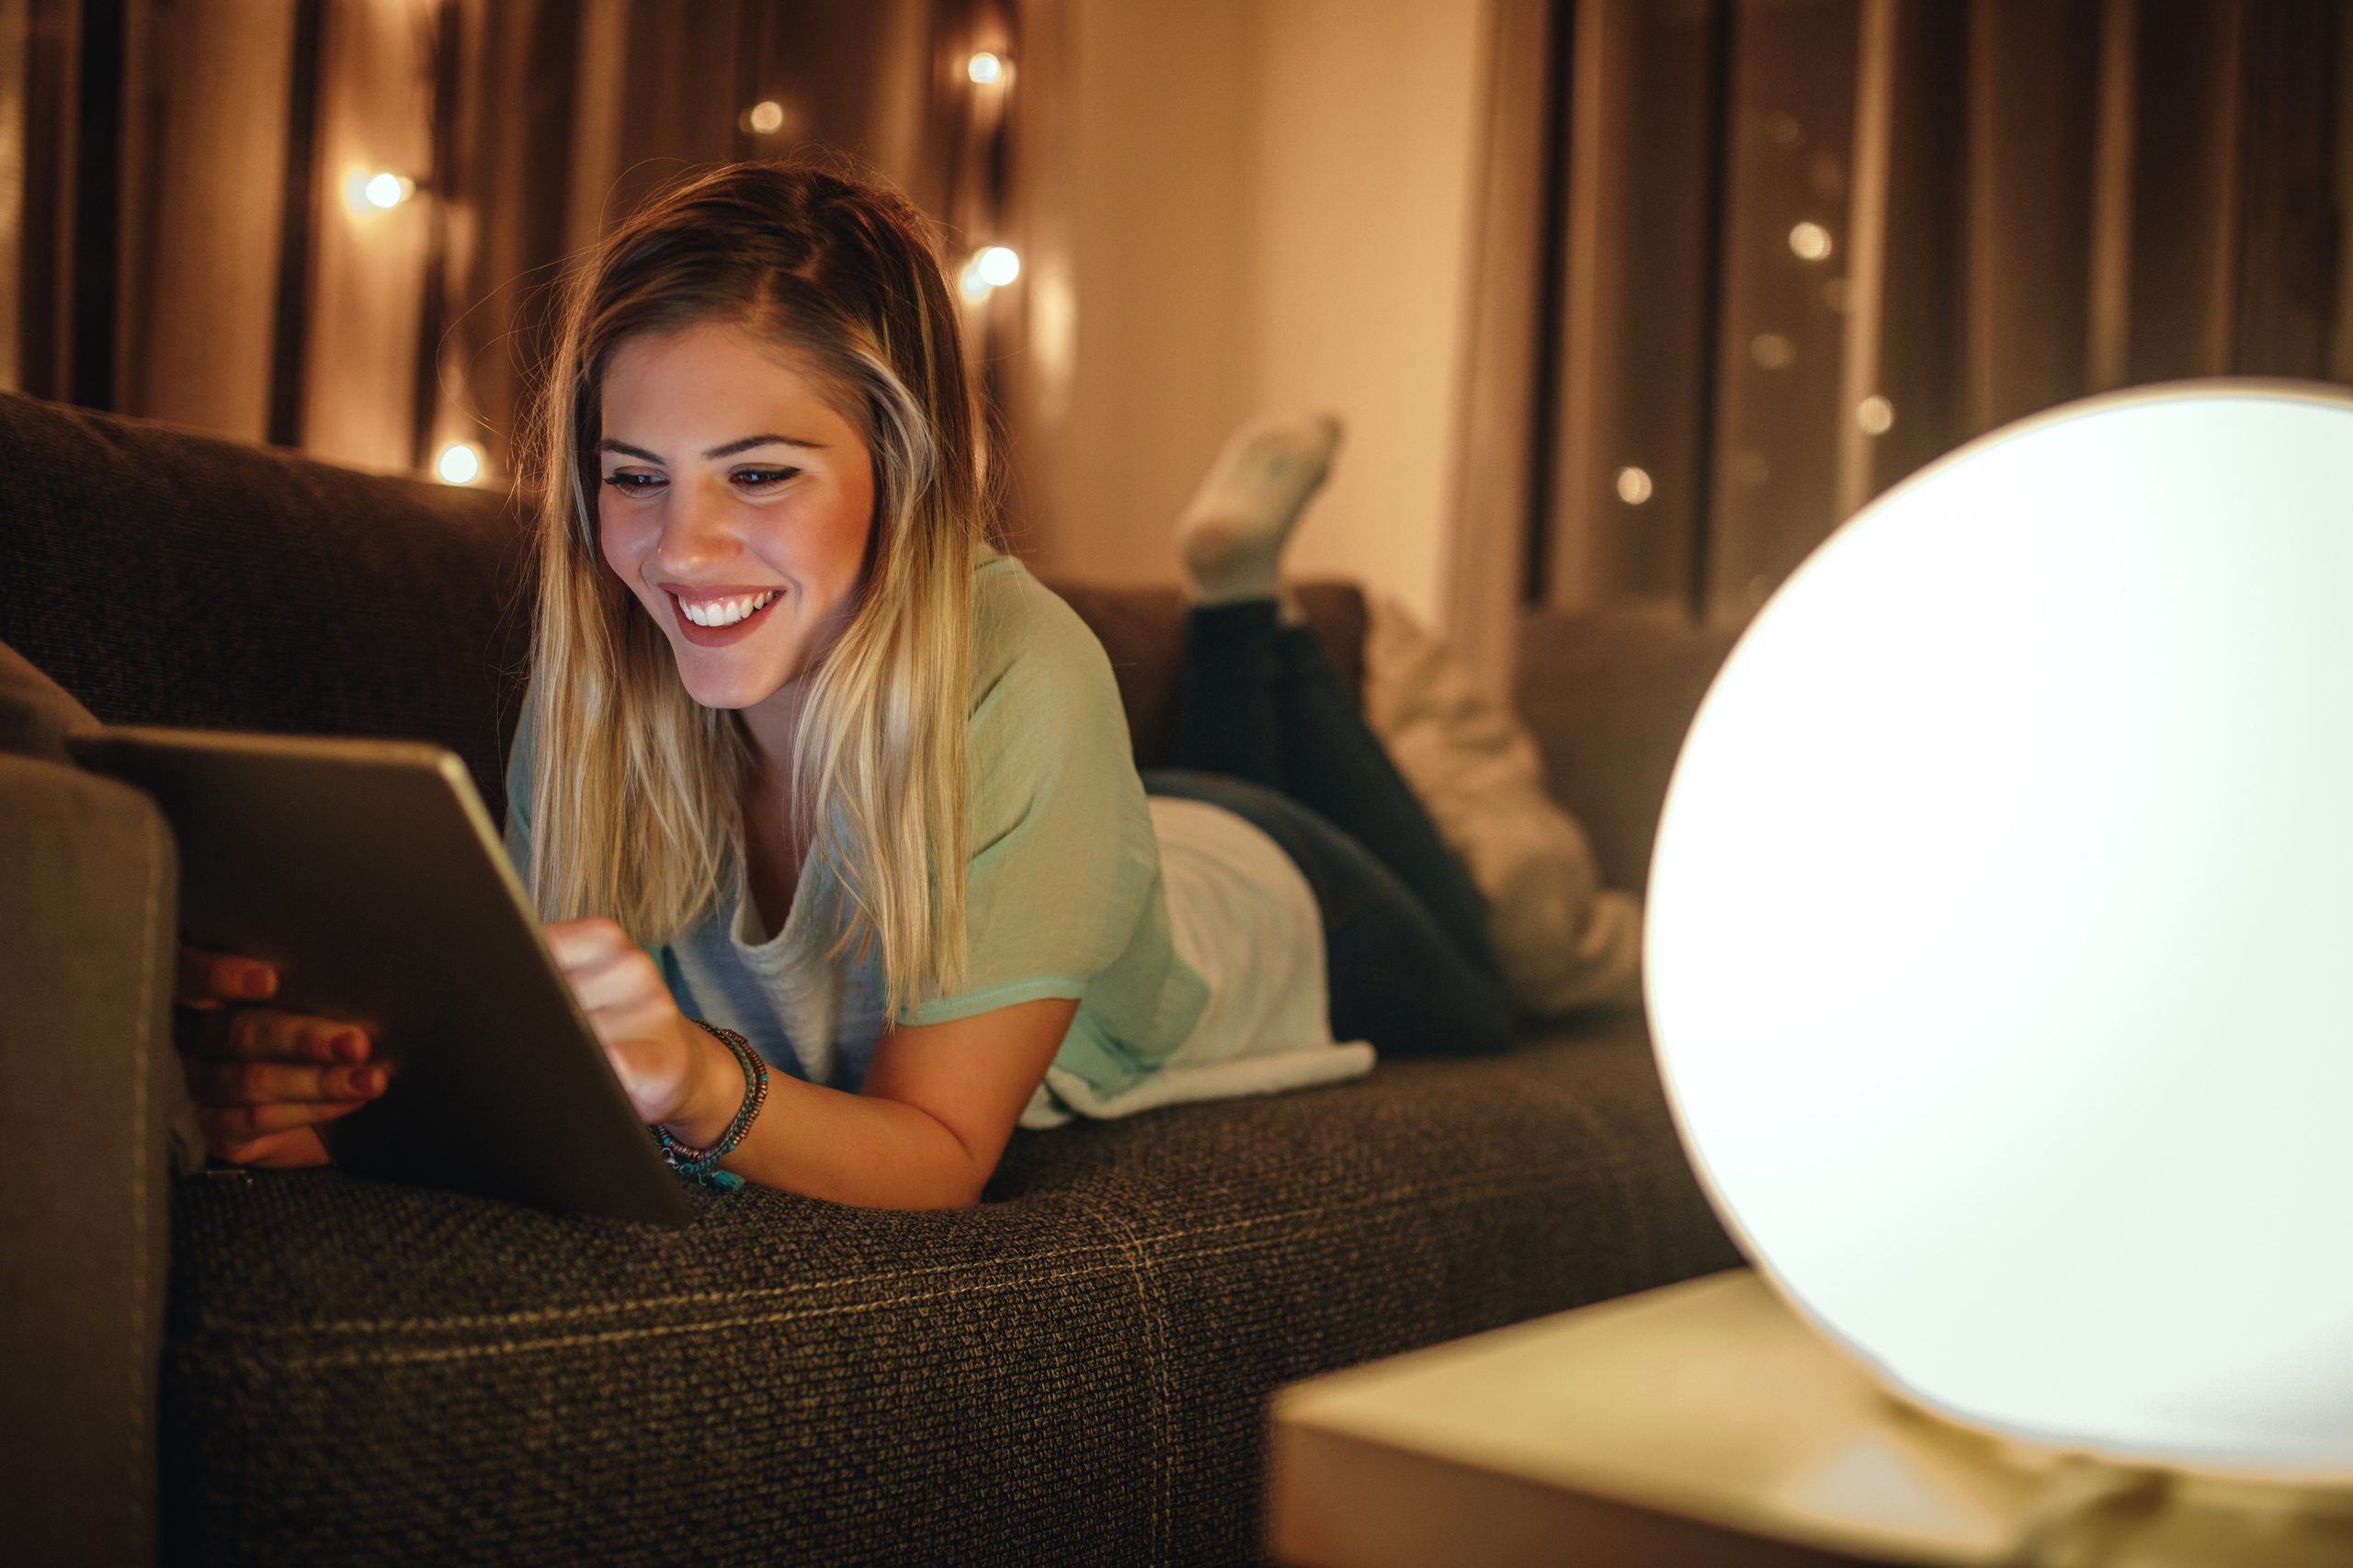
1242 913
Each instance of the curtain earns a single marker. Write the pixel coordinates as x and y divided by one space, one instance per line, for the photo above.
1788 251
183 234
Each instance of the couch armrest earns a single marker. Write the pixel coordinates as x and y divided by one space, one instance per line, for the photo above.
1609 697
86 954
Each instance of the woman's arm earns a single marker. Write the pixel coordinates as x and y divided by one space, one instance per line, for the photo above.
925 1132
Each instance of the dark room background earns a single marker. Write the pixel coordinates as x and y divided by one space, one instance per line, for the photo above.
1626 300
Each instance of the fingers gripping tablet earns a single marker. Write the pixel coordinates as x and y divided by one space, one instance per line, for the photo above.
366 879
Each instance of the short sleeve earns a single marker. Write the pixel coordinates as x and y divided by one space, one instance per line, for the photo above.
1062 861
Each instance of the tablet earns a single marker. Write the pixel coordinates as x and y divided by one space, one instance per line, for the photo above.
370 874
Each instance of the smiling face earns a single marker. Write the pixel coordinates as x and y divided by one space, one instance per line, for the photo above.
737 504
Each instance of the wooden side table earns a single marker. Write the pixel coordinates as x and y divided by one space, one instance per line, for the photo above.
1705 1424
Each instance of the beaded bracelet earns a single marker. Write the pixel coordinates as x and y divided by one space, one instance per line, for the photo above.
702 1165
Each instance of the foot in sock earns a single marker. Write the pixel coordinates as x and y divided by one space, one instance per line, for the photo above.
1231 536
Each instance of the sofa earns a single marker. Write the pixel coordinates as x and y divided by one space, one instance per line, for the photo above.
237 1366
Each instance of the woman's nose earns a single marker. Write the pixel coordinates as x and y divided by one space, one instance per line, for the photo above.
698 530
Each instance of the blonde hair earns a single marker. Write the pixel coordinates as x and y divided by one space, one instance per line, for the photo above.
637 789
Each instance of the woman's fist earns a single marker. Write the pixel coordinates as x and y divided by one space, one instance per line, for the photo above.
671 1069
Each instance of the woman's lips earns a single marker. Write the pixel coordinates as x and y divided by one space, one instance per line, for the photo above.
720 636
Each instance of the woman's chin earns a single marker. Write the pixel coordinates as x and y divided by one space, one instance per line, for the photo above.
735 683
725 690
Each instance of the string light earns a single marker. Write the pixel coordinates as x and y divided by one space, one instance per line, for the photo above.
997 265
984 68
460 463
989 270
1633 486
378 191
765 117
1875 415
1810 241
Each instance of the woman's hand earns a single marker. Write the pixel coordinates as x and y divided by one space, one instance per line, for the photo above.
263 1079
673 1071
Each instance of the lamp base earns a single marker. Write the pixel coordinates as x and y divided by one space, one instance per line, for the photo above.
1708 1415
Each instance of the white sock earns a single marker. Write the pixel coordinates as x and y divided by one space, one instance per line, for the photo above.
1231 536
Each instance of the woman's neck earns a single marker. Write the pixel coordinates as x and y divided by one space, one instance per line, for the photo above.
774 725
774 843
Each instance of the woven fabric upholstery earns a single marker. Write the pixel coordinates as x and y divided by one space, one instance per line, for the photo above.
1609 698
87 878
169 578
1075 1371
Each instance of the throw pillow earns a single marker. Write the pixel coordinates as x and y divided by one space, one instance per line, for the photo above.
1566 941
36 713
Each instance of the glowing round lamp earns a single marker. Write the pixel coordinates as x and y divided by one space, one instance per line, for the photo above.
2000 933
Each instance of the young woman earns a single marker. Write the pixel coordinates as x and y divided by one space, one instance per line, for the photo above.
812 779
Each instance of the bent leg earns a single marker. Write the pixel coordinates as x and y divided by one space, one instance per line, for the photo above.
1396 978
1333 762
1261 701
1226 719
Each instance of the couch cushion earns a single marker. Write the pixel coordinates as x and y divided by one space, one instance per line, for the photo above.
88 873
166 577
1074 1371
1610 697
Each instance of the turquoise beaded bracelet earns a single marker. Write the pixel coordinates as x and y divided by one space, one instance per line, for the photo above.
702 1165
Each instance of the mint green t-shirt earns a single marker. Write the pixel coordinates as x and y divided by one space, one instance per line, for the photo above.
1064 895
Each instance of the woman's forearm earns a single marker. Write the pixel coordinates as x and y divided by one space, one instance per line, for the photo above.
937 1104
862 1149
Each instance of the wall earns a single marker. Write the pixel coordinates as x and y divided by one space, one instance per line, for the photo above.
1271 205
1152 160
1366 136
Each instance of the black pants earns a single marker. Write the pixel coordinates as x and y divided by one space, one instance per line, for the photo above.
1266 731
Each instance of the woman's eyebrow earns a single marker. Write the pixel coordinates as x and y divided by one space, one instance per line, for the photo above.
728 450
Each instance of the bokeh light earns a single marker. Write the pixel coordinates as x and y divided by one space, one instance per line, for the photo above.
460 463
386 189
998 266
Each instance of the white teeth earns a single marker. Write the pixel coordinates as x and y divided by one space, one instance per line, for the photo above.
725 613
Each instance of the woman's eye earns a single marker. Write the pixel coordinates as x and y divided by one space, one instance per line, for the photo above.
634 482
762 478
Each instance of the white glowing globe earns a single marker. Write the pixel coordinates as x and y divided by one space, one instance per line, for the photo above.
2000 942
